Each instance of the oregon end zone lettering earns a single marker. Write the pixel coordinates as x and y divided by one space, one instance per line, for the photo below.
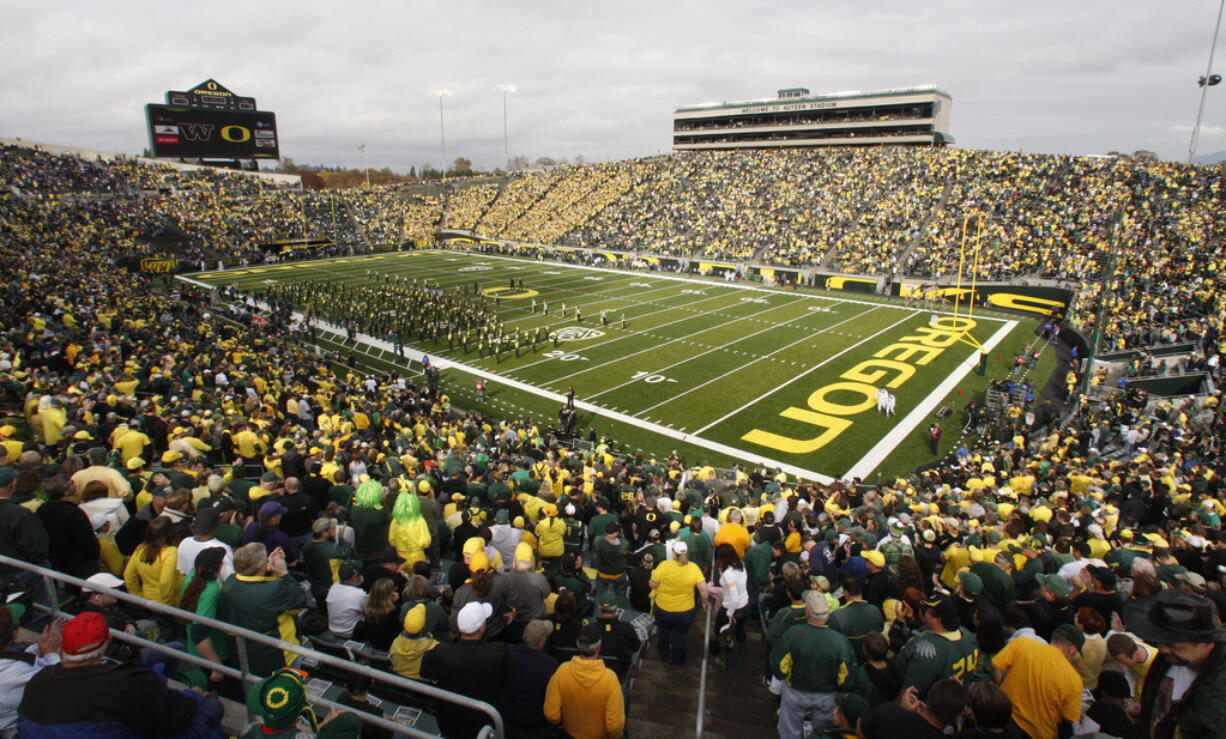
831 406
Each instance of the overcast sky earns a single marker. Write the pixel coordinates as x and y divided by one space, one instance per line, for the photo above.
601 79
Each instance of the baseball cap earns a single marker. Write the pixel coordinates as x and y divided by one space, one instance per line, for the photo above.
103 580
171 456
1073 634
874 557
589 635
942 605
816 603
135 463
272 508
473 616
1056 584
85 633
681 548
415 619
971 583
269 476
17 611
206 521
607 599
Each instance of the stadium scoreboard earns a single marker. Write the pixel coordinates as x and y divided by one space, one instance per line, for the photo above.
211 122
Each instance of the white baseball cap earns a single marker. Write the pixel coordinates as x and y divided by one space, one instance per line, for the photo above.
681 548
103 580
473 616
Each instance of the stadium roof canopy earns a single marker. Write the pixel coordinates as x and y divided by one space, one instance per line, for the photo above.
843 95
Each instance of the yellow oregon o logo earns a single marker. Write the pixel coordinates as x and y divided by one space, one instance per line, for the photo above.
501 292
212 85
276 697
236 134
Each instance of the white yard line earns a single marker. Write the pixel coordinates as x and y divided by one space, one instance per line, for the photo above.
794 378
669 343
917 415
631 334
759 359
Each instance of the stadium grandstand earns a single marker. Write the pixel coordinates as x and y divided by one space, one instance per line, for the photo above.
916 116
267 523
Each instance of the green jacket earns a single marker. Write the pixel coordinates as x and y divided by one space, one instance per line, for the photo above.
784 619
699 547
318 557
758 563
998 587
579 586
929 657
265 604
813 659
610 558
855 621
370 527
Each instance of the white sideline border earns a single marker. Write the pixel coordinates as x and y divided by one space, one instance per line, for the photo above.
874 456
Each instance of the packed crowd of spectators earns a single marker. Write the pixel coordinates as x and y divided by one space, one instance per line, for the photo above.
1055 580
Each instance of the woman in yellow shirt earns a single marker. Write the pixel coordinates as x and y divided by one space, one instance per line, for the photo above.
674 582
152 571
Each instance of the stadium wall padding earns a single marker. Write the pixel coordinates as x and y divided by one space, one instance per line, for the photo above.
1038 299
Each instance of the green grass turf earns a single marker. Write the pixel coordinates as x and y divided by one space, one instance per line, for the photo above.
695 357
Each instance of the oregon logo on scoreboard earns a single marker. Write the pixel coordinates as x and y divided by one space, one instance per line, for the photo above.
209 121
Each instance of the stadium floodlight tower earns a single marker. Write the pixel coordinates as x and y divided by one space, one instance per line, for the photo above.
1209 80
442 132
506 149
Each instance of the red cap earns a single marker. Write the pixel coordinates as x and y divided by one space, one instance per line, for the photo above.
85 633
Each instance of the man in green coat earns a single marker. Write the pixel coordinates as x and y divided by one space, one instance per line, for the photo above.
261 596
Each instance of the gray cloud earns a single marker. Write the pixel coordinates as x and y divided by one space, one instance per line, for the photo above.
602 80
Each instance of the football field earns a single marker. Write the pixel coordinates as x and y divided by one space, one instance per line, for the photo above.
788 379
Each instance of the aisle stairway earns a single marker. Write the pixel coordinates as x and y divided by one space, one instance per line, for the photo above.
664 697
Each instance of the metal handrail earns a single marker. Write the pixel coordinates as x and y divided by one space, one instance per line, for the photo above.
702 675
242 636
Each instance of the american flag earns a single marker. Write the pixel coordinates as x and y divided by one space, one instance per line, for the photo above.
362 148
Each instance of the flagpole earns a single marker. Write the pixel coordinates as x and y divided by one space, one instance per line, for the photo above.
366 164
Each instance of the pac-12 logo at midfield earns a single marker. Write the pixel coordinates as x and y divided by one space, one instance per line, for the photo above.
577 333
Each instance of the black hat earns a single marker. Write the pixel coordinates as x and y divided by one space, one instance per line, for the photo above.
590 635
945 608
1173 616
206 521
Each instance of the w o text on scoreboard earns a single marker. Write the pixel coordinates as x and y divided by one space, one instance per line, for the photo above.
211 122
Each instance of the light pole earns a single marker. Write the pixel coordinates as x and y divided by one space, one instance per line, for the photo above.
506 150
442 135
1205 83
